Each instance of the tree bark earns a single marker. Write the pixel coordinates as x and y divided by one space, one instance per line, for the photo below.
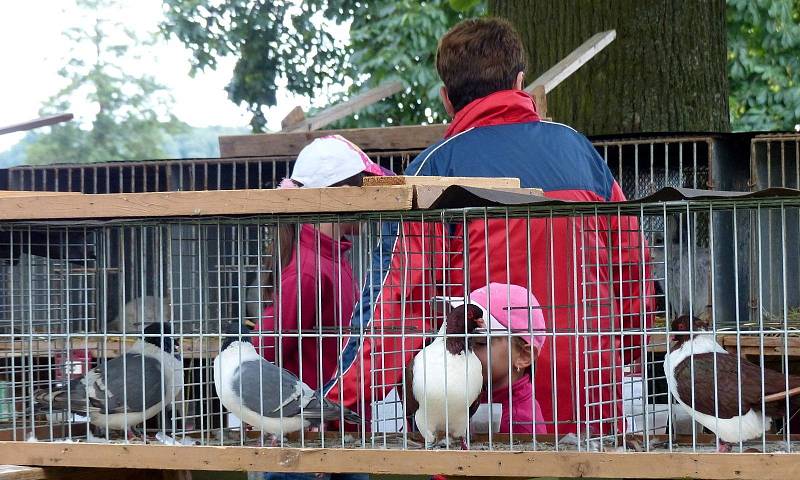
665 72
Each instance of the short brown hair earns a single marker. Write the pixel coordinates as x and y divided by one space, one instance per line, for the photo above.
478 57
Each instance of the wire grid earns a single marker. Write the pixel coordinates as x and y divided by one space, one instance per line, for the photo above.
775 163
170 175
199 269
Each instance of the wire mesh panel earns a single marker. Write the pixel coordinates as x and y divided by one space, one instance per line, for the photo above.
502 328
170 175
775 163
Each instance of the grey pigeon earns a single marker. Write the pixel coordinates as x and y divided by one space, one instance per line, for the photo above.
265 396
127 390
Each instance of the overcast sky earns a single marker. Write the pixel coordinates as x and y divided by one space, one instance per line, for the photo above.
32 50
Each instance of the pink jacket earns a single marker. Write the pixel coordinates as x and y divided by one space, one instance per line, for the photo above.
326 282
522 405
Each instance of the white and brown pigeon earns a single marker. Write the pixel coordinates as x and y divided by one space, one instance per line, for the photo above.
697 357
446 379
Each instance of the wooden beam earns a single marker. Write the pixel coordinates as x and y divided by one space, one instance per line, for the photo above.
347 108
411 462
108 347
207 203
412 138
293 118
572 62
37 123
17 472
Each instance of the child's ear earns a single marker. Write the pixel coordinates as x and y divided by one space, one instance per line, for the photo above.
523 359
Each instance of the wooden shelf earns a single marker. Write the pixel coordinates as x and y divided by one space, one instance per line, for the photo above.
452 462
774 346
194 347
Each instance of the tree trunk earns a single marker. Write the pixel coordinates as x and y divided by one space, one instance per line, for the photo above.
665 72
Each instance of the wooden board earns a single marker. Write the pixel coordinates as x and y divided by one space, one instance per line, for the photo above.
191 347
482 182
572 62
368 139
17 472
748 345
25 193
347 108
37 123
452 462
206 203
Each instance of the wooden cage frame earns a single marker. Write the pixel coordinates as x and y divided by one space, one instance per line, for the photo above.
404 195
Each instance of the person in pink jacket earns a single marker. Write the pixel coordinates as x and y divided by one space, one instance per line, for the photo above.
514 326
317 290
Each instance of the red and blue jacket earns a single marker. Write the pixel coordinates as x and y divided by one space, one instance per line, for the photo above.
588 273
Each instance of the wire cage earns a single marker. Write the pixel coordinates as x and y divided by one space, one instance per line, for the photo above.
775 163
378 287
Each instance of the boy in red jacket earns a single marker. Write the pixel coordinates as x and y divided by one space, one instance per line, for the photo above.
590 273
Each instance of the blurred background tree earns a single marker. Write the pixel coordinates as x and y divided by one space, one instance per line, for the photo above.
764 64
131 116
397 40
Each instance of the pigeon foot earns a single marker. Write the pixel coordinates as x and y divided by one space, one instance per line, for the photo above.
724 447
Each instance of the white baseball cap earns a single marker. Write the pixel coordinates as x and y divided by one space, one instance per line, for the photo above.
331 159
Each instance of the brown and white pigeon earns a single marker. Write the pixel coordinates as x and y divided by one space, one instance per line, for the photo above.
725 416
446 379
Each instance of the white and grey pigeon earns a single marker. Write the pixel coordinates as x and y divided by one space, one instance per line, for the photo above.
446 379
265 396
733 422
125 391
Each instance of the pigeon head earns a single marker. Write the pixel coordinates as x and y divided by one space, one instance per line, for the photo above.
234 332
158 334
462 319
682 326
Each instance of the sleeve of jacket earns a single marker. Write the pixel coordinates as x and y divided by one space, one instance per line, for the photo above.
393 335
632 278
406 266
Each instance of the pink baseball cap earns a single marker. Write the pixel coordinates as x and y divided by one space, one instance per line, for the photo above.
509 308
329 160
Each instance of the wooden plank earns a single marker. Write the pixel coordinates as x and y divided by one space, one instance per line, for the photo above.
482 182
37 123
294 117
111 346
368 139
412 462
540 99
26 193
19 472
572 62
207 203
347 108
748 344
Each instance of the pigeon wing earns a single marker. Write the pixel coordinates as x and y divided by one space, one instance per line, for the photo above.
132 382
728 386
269 390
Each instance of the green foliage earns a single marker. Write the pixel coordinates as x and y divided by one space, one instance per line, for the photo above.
131 118
397 41
764 64
280 42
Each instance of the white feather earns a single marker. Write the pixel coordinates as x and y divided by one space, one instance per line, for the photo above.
445 385
732 430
